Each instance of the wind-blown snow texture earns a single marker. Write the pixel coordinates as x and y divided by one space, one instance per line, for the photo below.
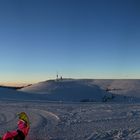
55 121
117 119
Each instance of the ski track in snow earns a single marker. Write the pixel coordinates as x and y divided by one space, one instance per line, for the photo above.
41 120
58 121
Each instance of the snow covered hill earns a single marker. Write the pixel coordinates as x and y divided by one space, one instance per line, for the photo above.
90 89
117 86
83 90
70 120
67 90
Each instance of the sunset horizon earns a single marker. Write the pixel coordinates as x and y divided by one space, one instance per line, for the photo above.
77 39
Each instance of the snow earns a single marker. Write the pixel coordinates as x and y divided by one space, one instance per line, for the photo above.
127 87
87 90
118 86
116 119
72 121
67 90
11 94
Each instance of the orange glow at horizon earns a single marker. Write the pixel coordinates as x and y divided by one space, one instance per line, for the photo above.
13 84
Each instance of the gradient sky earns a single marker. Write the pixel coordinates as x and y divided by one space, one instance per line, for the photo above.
77 38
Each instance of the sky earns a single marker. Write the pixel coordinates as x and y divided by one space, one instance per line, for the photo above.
74 38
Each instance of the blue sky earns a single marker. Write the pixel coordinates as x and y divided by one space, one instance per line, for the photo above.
77 38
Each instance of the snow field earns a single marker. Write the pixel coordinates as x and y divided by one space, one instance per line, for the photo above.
69 121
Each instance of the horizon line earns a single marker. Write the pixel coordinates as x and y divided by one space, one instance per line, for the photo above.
18 83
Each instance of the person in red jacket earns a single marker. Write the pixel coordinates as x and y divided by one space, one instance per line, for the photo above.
22 131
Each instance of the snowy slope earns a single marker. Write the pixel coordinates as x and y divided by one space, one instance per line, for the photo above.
125 87
11 94
80 89
67 90
76 90
117 86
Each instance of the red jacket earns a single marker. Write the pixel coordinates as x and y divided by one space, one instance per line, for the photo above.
18 134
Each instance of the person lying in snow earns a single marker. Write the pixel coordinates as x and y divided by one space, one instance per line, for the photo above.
22 131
